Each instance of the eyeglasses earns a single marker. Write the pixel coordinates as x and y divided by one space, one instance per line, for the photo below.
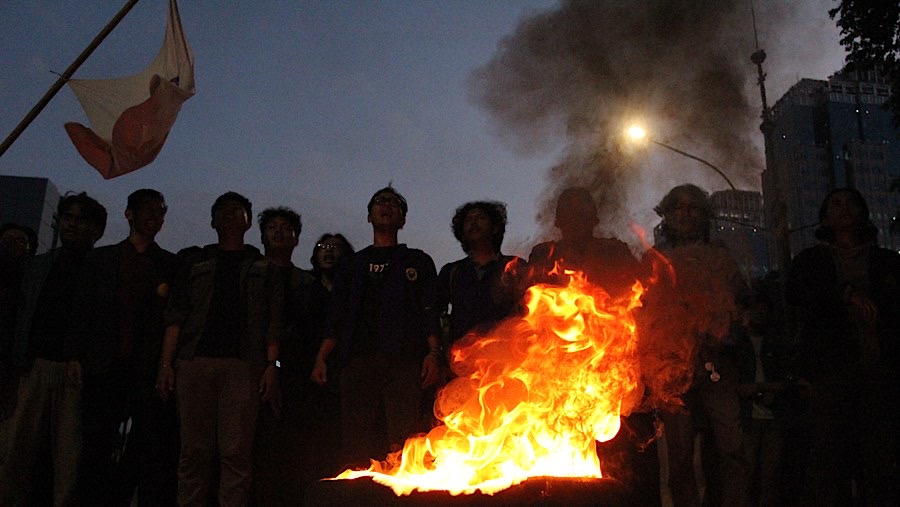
388 201
327 246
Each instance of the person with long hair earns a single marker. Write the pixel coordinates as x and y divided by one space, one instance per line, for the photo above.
689 360
847 292
484 287
320 409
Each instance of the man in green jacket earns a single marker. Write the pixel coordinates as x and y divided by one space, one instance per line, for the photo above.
224 329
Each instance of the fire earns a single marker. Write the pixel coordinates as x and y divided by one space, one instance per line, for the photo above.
530 399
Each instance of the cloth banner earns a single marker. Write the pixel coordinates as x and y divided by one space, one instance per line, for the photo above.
132 116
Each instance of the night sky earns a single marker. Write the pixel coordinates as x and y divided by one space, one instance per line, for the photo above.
316 104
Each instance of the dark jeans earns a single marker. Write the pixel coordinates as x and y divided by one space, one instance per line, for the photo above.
853 436
379 406
765 443
301 447
631 458
130 443
719 403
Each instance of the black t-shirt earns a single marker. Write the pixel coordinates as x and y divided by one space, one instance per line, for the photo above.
50 324
222 335
136 291
365 337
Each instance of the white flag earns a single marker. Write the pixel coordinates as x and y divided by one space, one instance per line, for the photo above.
131 116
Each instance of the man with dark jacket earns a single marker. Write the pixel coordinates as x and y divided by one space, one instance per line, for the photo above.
383 328
130 435
224 325
278 450
485 286
45 351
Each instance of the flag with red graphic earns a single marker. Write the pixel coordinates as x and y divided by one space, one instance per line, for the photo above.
131 117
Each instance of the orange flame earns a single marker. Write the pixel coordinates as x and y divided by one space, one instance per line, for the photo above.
531 398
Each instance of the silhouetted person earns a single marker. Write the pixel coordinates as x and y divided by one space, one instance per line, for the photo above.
606 262
320 432
766 390
630 457
48 410
278 448
17 244
847 290
383 327
688 353
224 329
130 435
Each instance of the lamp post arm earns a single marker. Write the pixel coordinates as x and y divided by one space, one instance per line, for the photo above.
698 159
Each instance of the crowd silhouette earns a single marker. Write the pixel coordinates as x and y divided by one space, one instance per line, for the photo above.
225 375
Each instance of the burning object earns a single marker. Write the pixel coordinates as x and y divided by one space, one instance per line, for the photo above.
530 399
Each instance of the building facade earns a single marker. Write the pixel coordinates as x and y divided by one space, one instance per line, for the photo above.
740 223
31 202
823 135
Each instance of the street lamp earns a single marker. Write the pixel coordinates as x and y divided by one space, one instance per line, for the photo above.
637 133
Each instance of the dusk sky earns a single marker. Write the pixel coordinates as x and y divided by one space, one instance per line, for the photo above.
317 104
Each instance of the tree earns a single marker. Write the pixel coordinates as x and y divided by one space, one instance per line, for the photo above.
870 32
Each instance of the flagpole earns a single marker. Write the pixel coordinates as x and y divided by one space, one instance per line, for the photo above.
36 110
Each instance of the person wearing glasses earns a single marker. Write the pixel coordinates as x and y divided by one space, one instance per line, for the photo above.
382 333
318 432
328 252
17 242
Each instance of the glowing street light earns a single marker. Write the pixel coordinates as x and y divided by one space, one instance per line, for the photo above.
638 134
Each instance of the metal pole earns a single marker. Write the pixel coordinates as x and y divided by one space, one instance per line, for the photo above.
36 110
698 159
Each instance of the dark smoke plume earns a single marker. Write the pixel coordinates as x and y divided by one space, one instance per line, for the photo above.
581 72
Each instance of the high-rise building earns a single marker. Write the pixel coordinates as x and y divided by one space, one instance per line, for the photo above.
739 223
31 202
824 135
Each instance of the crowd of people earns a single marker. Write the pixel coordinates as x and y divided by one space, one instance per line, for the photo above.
225 375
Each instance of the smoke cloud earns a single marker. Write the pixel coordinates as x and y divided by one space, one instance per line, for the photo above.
582 72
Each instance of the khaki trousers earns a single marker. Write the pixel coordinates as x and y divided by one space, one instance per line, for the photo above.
48 412
218 402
